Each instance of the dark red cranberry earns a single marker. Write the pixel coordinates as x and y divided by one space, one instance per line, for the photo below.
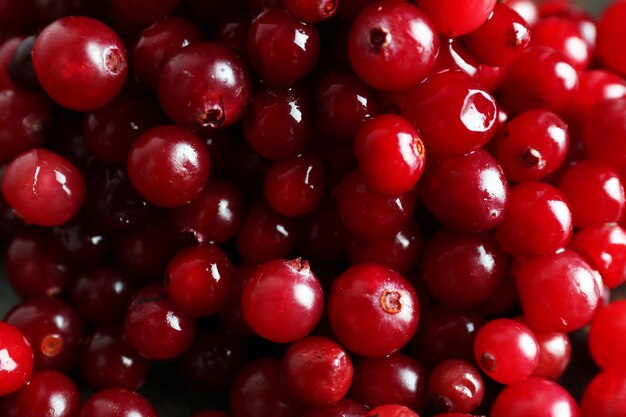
80 243
214 69
611 30
47 11
7 49
231 317
155 327
604 247
233 32
117 402
80 62
311 10
20 69
282 49
322 237
53 329
283 300
563 35
605 394
386 55
344 408
454 18
141 13
604 130
535 396
456 385
16 350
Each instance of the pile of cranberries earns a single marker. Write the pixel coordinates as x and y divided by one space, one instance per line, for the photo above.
313 208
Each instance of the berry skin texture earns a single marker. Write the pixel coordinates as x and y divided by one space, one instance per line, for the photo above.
373 310
455 18
16 359
391 410
455 385
606 336
611 31
391 154
317 371
537 397
605 395
604 247
507 351
43 188
117 402
558 292
392 45
283 300
80 62
169 166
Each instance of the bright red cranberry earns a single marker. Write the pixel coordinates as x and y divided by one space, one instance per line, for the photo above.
279 122
312 11
463 270
265 234
535 396
296 186
605 395
34 267
506 350
607 328
53 329
101 294
322 237
454 56
317 371
395 379
454 18
155 327
527 9
108 360
373 310
369 214
555 352
392 45
344 408
563 35
141 13
283 300
539 78
198 280
24 119
604 131
47 394
501 39
168 165
391 410
596 85
80 62
466 192
17 359
117 402
538 221
604 247
282 49
158 43
533 145
214 69
456 385
557 292
43 188
611 31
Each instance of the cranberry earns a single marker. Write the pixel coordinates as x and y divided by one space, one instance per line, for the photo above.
603 132
283 300
555 352
455 385
535 396
20 69
344 408
322 237
386 55
610 31
605 395
17 359
233 32
43 188
311 10
604 337
603 247
80 243
391 410
117 402
7 50
373 310
527 9
454 18
563 35
80 62
596 86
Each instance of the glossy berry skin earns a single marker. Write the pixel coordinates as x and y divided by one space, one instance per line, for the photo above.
80 62
368 214
605 395
391 154
155 327
563 35
596 86
317 371
603 247
391 410
282 49
463 270
467 192
535 396
501 39
47 394
312 11
117 402
538 221
607 328
595 193
204 67
533 145
604 130
283 300
108 360
392 45
456 385
344 408
610 31
198 280
453 18
395 379
168 165
157 43
43 188
558 292
555 352
506 350
539 78
296 186
18 356
373 310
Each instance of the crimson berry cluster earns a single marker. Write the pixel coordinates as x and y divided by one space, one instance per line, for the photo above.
313 208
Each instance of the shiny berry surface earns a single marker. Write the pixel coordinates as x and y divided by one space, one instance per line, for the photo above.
456 385
391 410
610 30
535 396
604 337
604 396
117 402
455 18
603 247
17 359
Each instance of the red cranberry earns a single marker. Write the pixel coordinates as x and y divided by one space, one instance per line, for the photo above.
17 359
527 9
20 69
455 385
604 131
7 50
610 30
603 247
604 396
605 343
454 18
563 35
555 352
311 10
391 410
535 396
117 402
596 86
